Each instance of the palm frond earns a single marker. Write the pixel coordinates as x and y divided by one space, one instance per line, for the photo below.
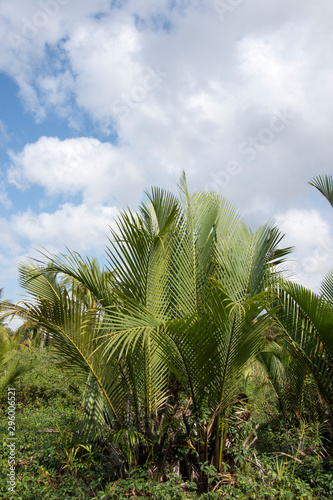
324 184
307 321
326 288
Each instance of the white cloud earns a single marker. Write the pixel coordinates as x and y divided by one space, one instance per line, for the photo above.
304 227
182 89
8 242
81 228
84 166
312 238
104 58
9 274
78 227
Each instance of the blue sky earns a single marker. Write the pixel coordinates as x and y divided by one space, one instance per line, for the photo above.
100 100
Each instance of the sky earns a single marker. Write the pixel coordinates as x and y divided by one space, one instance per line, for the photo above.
99 100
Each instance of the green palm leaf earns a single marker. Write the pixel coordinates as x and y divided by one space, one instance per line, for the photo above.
324 184
326 288
307 320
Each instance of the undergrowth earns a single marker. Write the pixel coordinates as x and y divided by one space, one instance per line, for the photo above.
54 460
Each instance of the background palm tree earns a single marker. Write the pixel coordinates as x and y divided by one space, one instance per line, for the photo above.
10 367
300 363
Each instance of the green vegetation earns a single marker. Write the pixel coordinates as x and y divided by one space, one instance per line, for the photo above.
187 368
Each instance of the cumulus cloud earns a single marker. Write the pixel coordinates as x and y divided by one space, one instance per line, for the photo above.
8 241
311 235
75 166
78 227
182 87
241 100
